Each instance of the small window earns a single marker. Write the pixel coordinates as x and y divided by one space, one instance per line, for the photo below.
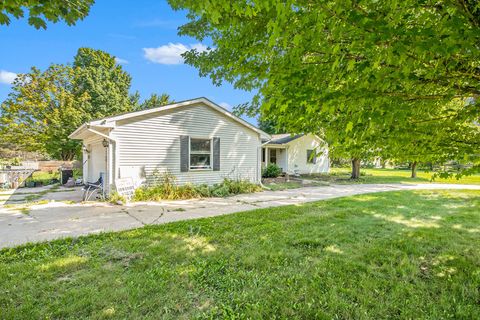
310 156
200 154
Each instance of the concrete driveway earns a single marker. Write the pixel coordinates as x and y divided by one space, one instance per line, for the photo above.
56 220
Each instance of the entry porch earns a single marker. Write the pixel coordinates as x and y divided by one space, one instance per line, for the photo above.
277 155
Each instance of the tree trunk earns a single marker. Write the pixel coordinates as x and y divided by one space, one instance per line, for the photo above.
67 155
355 168
414 169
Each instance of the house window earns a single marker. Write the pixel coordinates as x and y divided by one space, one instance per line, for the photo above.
310 156
273 155
200 154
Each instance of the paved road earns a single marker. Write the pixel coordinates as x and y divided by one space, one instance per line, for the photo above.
57 220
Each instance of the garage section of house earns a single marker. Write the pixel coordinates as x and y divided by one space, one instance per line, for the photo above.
197 141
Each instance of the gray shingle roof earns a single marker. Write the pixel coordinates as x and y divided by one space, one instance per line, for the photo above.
284 138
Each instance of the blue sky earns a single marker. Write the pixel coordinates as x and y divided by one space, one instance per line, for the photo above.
143 34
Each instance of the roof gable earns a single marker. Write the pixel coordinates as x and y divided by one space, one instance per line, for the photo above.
204 101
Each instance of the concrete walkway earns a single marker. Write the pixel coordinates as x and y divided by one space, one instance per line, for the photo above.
57 220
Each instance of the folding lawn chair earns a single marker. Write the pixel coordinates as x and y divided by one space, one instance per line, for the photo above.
91 188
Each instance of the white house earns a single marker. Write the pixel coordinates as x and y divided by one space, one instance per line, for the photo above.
296 154
196 140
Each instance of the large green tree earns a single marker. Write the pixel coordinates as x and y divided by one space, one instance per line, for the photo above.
41 112
270 125
156 100
454 137
106 83
45 107
354 69
41 11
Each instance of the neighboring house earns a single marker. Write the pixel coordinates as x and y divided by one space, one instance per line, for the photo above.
297 154
197 141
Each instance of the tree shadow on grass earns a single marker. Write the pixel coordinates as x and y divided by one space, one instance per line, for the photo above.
345 258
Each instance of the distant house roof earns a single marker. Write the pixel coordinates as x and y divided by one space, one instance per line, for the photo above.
283 138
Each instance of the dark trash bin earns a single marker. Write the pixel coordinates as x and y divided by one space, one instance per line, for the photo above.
65 174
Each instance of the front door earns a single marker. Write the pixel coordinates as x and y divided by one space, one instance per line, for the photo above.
97 164
272 156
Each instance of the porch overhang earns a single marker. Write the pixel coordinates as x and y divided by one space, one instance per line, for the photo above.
86 130
274 146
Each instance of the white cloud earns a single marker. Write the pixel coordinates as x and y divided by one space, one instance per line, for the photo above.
120 61
226 105
7 77
170 53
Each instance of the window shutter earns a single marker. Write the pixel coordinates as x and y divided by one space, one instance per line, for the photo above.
216 154
314 157
184 154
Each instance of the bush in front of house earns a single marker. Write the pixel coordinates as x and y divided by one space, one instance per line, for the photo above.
271 171
230 187
166 188
116 198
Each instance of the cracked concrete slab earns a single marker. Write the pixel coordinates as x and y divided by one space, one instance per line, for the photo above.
58 220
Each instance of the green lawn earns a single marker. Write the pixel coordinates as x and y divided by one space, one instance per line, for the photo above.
408 254
342 176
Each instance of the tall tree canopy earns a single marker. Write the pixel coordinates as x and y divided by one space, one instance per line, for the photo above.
106 83
41 111
41 11
156 100
269 125
354 70
45 107
455 137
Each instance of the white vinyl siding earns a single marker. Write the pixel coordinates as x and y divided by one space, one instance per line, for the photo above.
152 142
297 155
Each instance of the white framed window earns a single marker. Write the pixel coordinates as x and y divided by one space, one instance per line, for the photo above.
200 154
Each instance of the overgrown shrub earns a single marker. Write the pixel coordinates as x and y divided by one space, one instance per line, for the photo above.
166 188
271 171
116 198
220 190
238 186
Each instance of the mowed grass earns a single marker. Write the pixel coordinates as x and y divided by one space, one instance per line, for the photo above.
407 254
342 176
